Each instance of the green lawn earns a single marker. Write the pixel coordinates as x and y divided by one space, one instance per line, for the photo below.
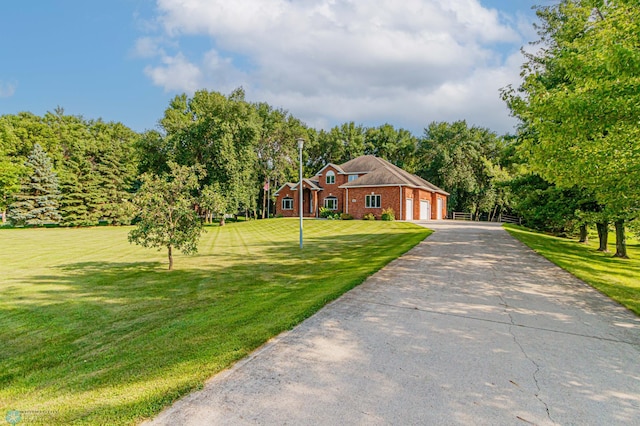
94 330
617 278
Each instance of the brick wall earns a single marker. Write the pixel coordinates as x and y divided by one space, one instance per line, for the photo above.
389 197
331 189
352 200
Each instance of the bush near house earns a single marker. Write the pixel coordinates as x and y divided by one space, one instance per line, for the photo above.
388 214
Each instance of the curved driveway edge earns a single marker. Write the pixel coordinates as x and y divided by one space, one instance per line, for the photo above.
469 327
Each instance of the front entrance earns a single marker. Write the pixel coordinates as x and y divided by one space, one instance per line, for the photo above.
409 209
439 213
425 210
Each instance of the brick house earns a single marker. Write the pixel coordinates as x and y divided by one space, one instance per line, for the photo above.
366 184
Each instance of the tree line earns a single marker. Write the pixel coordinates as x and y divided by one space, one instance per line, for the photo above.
94 168
572 162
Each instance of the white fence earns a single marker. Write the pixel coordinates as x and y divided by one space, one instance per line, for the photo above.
502 218
462 216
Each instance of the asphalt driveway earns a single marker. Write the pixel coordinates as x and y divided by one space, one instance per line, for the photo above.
470 327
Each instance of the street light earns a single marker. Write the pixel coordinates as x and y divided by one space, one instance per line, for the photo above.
300 145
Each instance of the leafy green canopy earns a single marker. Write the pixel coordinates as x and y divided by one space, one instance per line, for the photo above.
166 214
580 97
465 161
94 161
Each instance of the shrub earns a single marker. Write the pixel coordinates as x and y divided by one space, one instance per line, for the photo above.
388 214
325 212
346 216
369 216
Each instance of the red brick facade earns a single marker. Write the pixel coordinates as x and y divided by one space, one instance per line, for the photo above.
331 187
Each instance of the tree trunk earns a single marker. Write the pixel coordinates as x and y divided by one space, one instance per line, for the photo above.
603 236
584 237
222 220
621 241
4 216
264 202
170 253
493 214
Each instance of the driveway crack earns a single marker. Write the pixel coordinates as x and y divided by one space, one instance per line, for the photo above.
531 360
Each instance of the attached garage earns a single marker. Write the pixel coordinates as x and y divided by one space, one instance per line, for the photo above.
365 185
409 209
425 210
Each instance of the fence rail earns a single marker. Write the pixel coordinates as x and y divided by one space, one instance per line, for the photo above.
502 218
462 216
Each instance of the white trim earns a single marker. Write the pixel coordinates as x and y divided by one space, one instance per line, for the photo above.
385 185
287 199
287 184
426 212
335 166
346 201
330 197
346 185
406 200
369 197
329 174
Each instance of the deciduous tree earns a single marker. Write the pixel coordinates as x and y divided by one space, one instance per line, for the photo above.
166 211
580 98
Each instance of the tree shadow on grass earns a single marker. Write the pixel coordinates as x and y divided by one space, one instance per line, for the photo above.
102 327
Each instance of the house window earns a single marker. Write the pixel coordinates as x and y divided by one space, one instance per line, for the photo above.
287 203
331 203
372 201
353 177
331 177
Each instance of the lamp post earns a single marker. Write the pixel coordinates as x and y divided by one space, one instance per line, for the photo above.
269 166
300 145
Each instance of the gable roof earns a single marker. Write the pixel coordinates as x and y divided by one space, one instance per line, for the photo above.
379 172
335 166
293 186
375 172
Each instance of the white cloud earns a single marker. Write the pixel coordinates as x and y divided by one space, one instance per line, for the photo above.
331 61
175 74
7 89
147 47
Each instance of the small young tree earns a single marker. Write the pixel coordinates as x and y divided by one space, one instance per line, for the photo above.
37 201
166 213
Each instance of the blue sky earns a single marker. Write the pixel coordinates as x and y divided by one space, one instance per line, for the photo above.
326 61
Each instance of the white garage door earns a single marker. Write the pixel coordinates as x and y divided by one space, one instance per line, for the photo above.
425 210
409 209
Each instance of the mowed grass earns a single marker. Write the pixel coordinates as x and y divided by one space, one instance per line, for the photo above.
617 278
94 330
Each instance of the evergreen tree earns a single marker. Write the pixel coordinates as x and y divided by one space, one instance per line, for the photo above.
80 196
37 201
